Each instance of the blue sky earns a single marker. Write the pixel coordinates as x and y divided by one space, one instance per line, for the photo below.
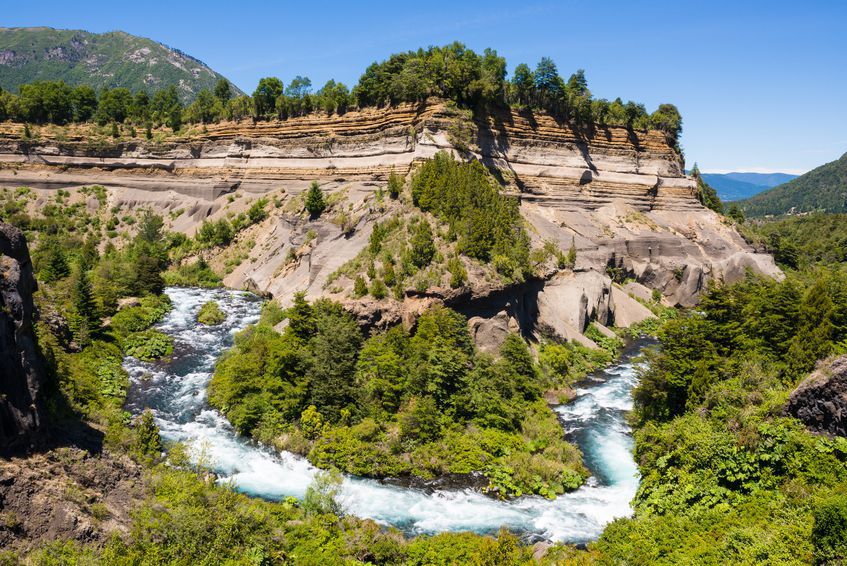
761 85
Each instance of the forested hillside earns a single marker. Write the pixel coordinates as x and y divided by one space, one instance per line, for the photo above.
823 189
98 60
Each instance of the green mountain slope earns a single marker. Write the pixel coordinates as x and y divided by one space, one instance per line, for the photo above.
113 59
824 189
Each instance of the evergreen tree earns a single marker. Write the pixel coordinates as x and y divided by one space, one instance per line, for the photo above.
315 203
360 287
148 443
301 317
223 90
55 262
570 260
422 244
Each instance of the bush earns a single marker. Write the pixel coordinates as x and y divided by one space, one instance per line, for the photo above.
211 314
829 532
136 319
149 345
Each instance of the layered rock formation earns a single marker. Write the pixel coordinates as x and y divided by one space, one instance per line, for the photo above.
21 367
620 197
820 401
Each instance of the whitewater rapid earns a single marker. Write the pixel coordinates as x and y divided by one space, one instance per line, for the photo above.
176 392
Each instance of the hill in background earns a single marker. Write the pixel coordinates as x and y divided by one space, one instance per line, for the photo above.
823 189
113 59
737 186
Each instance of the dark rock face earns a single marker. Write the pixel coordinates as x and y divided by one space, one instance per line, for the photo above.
22 370
820 401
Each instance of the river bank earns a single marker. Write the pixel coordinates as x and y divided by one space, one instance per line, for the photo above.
175 391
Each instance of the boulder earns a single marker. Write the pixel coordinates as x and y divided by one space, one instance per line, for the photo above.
628 311
820 401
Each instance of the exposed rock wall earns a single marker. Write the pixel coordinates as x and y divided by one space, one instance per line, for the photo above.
21 367
820 401
620 197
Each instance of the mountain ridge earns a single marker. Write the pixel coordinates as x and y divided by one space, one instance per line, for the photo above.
821 189
101 60
740 185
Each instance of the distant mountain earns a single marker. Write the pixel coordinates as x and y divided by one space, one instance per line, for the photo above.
113 59
762 179
737 186
824 189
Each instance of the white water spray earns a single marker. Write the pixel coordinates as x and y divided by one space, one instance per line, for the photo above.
176 392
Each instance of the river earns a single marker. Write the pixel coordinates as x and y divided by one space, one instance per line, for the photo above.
176 392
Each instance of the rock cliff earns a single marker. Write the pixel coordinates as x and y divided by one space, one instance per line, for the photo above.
820 401
21 367
620 197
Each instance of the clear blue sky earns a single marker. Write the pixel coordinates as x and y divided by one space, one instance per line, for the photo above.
761 84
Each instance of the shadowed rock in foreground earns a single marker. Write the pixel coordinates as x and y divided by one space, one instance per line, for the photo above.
22 371
820 401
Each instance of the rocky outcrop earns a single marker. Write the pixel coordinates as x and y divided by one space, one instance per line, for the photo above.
820 401
21 366
620 197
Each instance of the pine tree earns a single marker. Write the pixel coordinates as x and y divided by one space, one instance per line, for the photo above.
571 259
55 263
315 202
360 287
423 246
148 443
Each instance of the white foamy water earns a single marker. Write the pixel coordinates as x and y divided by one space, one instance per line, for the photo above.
176 392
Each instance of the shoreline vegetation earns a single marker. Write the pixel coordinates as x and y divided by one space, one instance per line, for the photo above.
728 476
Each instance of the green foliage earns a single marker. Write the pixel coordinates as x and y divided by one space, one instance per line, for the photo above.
804 241
148 345
315 203
486 223
726 475
820 189
830 530
378 289
360 287
707 195
148 443
100 60
458 273
217 233
136 319
211 314
320 498
395 185
197 274
422 245
395 404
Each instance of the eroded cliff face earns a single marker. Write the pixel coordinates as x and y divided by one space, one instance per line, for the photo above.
21 366
620 197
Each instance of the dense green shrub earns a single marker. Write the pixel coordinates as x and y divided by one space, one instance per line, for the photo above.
149 345
485 223
211 314
396 403
135 319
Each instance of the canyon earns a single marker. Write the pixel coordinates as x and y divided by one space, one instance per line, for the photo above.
620 197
